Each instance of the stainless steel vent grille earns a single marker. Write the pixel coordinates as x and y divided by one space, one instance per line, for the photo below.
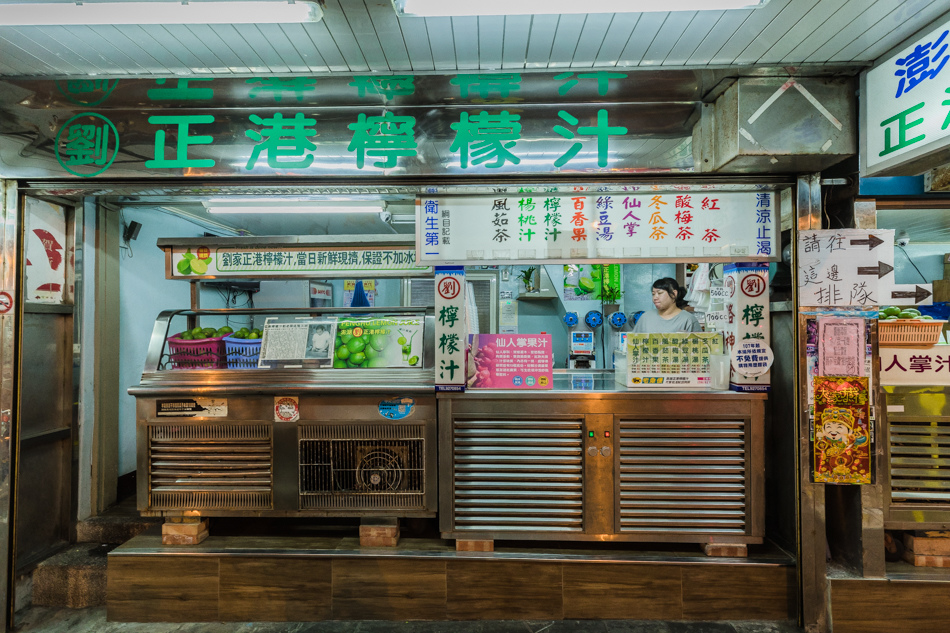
682 476
519 475
210 467
362 467
920 461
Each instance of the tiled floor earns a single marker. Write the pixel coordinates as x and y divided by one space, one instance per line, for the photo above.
42 620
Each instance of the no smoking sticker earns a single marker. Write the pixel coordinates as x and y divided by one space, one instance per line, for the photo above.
6 302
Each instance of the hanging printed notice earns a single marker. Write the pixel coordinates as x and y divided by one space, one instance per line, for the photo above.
752 358
841 346
672 360
592 282
46 253
712 226
509 361
747 310
203 261
845 267
450 334
841 435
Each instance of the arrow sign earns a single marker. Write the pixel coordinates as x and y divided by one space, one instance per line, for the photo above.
918 294
872 242
880 270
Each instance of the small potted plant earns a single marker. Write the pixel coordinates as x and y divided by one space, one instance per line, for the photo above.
527 278
610 298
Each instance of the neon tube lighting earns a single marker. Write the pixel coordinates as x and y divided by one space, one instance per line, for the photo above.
196 12
442 8
303 209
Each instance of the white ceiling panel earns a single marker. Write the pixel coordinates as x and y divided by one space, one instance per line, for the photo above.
541 40
901 24
666 38
590 40
749 29
326 46
491 41
801 45
515 46
418 45
642 38
616 38
693 35
284 47
304 48
787 20
358 36
465 34
225 59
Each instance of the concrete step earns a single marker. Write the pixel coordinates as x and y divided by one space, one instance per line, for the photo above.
74 578
113 528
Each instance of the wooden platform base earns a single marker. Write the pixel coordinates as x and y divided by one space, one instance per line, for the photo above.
306 579
909 599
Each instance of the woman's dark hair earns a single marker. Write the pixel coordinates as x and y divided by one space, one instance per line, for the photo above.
676 291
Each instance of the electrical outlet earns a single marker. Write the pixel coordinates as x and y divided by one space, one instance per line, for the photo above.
504 274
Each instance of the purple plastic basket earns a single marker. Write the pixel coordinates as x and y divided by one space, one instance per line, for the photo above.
242 353
206 353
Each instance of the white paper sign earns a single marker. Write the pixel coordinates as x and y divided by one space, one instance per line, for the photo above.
46 252
451 339
701 226
844 267
905 103
752 358
915 366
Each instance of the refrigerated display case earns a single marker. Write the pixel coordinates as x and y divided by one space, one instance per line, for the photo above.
289 427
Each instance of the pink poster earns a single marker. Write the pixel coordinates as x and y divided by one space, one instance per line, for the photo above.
509 361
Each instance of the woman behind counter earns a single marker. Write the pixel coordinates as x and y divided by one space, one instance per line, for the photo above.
669 316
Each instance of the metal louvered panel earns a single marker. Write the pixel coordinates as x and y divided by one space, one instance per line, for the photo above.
210 467
519 475
680 476
362 467
920 460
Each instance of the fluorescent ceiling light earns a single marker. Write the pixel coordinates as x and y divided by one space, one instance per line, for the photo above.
224 209
443 8
195 12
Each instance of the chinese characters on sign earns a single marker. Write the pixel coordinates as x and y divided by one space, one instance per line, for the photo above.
908 103
752 358
842 443
677 360
510 361
619 226
493 132
845 267
747 320
451 328
915 366
231 262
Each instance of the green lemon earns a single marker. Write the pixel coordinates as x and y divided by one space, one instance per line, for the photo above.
413 360
339 364
401 340
343 353
338 342
351 364
184 267
355 345
357 358
253 336
185 336
379 342
199 266
370 352
346 338
891 310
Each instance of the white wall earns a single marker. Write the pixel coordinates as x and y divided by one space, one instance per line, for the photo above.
143 293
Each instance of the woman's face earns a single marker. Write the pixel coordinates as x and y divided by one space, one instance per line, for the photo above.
662 299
